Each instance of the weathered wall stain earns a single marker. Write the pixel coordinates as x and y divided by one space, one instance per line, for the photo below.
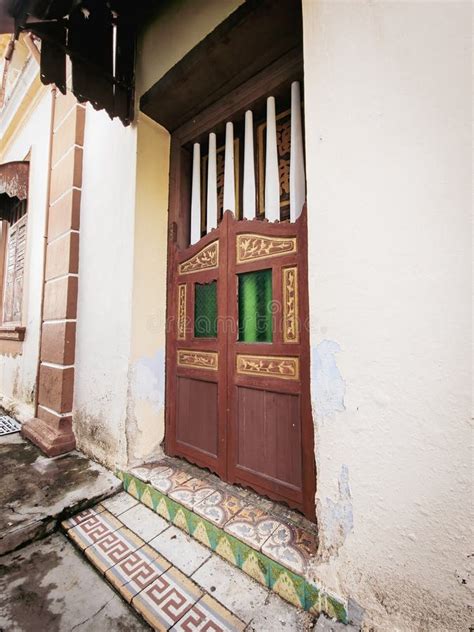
328 387
148 379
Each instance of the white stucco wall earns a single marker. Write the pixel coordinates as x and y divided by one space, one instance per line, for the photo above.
387 93
105 288
18 371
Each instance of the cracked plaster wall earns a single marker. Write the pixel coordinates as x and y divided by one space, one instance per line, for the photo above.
388 154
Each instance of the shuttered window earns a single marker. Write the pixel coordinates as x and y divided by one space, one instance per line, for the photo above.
14 266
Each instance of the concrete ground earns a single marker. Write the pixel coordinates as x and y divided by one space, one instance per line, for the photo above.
37 491
48 586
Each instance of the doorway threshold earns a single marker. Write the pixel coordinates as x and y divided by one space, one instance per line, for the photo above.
270 542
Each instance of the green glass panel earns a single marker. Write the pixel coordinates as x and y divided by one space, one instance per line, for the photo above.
255 306
205 310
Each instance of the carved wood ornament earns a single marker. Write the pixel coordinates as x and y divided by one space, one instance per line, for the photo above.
205 259
250 247
198 359
285 368
182 311
290 305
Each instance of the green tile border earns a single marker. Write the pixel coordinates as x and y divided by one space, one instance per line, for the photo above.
292 587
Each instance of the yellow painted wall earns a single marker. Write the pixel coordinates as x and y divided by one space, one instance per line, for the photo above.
145 417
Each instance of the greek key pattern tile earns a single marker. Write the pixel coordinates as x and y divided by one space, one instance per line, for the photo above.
113 548
81 517
163 602
137 571
207 615
93 529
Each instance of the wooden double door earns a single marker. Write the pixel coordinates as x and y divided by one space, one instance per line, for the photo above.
238 397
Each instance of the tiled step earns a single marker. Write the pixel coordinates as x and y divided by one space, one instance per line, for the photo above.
272 545
174 582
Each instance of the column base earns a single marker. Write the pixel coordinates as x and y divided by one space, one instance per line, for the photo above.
51 438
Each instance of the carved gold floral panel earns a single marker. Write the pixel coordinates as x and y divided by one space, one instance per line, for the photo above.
250 247
285 368
198 359
182 311
291 331
205 259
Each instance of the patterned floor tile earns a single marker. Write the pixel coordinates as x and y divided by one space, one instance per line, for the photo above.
192 492
164 602
80 517
252 525
291 547
166 478
219 507
113 548
208 615
93 529
137 571
145 471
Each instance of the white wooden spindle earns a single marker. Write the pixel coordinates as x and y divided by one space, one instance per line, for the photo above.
249 169
229 177
297 177
196 195
211 184
272 179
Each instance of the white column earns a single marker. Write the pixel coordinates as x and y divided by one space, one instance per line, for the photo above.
297 176
249 169
272 178
229 177
211 184
196 195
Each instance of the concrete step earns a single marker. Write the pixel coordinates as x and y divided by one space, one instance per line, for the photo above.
170 579
274 546
38 492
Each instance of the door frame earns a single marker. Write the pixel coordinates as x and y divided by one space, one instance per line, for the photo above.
272 80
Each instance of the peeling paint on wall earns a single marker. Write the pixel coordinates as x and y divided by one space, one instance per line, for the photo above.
149 379
328 387
338 519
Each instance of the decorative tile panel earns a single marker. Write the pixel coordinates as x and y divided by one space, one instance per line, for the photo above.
137 571
198 359
192 492
207 615
290 305
282 367
252 525
292 547
205 259
251 247
219 507
93 529
164 602
113 548
81 517
168 478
